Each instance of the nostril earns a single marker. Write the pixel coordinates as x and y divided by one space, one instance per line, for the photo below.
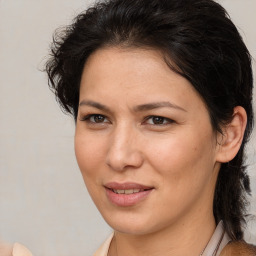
123 160
124 149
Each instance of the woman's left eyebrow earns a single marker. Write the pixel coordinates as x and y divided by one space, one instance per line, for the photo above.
95 105
154 105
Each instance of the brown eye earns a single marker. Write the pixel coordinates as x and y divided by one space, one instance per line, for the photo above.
97 119
158 120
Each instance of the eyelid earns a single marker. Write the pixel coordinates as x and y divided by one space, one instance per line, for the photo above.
167 120
86 118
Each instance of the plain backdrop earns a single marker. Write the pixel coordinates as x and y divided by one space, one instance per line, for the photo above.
43 201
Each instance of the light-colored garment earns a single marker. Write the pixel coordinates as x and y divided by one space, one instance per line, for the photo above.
214 247
217 242
103 250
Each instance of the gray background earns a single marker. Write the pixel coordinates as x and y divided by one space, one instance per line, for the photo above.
43 201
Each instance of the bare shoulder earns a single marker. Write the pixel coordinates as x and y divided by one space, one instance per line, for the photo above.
239 248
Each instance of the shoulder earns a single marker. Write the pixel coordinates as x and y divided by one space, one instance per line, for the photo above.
239 248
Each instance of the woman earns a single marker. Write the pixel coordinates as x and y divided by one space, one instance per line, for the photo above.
161 93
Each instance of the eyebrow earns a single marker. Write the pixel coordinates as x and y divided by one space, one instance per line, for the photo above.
154 105
95 105
139 108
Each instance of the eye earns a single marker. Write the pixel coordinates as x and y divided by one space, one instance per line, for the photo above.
158 120
95 118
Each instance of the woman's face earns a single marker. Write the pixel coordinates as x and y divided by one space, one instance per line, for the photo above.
144 142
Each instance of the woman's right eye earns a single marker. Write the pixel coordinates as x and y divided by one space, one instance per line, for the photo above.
95 118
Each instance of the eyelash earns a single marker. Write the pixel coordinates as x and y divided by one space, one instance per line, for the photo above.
165 120
88 117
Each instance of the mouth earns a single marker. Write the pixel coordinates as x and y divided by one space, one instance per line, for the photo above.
128 191
127 194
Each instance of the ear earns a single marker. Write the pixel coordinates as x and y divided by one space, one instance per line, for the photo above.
231 138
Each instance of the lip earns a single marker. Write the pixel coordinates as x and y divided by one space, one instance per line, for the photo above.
126 185
125 200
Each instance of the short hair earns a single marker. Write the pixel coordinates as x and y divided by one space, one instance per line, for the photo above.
198 41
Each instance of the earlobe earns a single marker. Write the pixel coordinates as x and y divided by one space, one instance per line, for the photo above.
232 137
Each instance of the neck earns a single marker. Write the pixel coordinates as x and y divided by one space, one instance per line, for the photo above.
186 239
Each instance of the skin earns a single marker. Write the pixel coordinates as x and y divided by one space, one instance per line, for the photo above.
239 248
180 157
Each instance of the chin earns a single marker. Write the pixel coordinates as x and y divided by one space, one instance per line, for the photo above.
131 229
132 224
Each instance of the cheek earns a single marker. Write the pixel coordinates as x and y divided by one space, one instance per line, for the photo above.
185 170
89 155
183 159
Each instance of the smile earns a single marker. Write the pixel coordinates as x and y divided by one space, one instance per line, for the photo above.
127 191
127 194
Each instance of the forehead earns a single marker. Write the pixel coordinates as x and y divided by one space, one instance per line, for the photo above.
130 74
132 59
128 66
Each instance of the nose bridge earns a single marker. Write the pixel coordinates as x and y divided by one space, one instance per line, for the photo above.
124 148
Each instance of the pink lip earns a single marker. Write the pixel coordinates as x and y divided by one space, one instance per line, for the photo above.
127 185
125 200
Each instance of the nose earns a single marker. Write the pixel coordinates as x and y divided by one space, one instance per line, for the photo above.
124 150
